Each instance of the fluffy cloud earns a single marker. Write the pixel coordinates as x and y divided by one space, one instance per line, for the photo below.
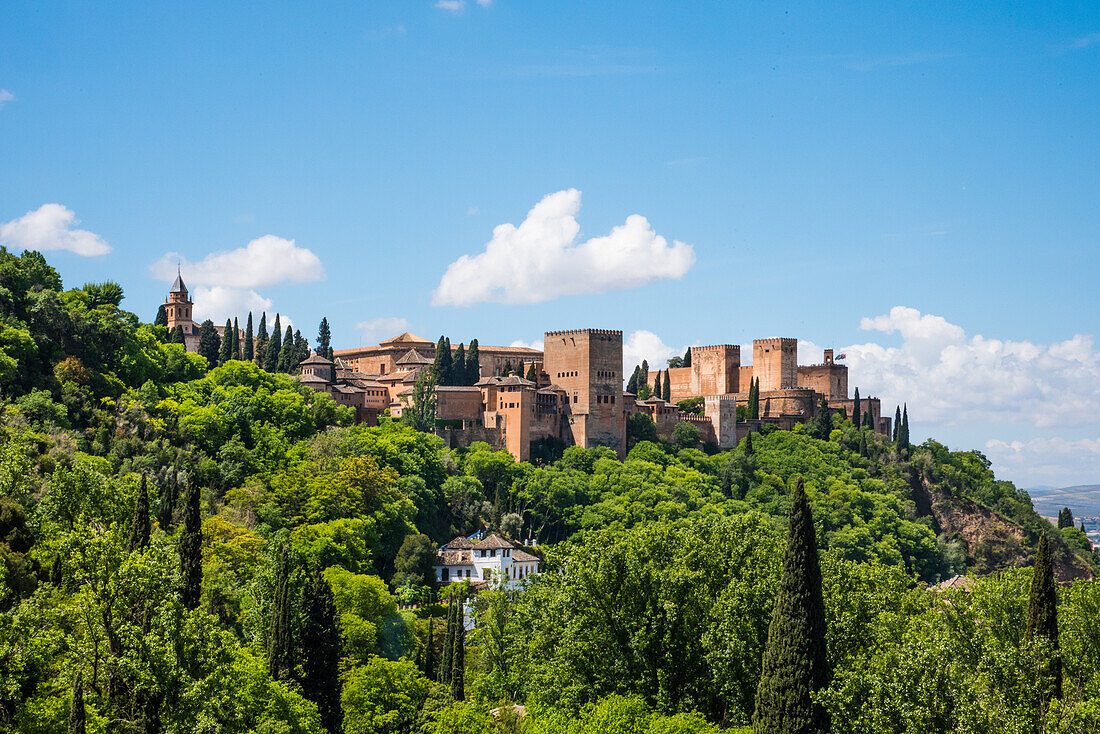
1056 460
541 259
958 379
50 227
533 344
646 345
218 303
265 261
451 6
373 331
6 96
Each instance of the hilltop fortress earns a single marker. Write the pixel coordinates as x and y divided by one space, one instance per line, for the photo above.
578 397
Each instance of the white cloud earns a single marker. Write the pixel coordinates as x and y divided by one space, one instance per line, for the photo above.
373 331
1050 460
646 345
49 227
218 303
949 378
6 96
265 261
451 6
534 344
541 260
484 3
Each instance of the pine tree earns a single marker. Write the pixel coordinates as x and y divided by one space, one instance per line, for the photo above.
141 525
176 337
857 416
321 651
286 353
162 316
666 391
249 345
458 367
274 346
77 714
473 363
236 339
261 341
687 358
324 339
897 423
795 665
280 649
226 352
190 548
1042 614
210 343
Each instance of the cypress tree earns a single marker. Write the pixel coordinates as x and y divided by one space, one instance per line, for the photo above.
249 346
748 446
324 339
897 423
77 714
176 337
869 420
280 643
321 651
903 432
140 526
473 364
795 665
687 358
162 317
531 376
442 366
448 642
210 343
754 399
236 339
274 346
429 652
190 549
458 656
226 352
458 366
857 416
286 352
1065 518
261 341
666 391
301 350
1042 614
632 383
643 379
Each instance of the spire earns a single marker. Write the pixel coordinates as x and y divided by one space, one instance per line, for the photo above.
178 286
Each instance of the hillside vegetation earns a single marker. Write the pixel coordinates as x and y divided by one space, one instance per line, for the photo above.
185 549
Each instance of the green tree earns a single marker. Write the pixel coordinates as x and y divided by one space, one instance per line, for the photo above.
821 425
273 348
419 413
209 343
458 366
141 525
413 563
458 653
443 367
162 316
643 376
666 392
286 361
77 713
177 337
190 548
507 367
795 667
226 352
897 424
261 341
280 649
686 435
531 376
857 416
687 357
236 351
640 427
324 339
868 421
1065 518
321 651
903 433
632 383
473 364
754 399
249 351
1042 618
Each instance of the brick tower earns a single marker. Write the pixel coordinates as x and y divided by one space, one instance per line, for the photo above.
178 307
588 363
775 363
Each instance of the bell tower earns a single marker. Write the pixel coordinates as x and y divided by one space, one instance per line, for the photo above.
178 307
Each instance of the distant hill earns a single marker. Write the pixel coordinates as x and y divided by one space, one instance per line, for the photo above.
1083 499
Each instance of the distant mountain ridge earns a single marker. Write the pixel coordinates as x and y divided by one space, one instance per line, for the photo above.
1083 499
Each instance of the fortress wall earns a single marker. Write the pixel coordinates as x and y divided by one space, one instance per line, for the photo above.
831 380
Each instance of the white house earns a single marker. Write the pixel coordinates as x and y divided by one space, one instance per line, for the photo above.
492 560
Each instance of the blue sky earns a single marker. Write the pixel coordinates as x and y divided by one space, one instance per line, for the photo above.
926 171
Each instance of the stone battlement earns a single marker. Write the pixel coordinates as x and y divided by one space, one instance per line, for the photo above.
716 347
781 340
600 332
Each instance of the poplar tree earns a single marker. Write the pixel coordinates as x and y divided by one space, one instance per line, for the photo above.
1042 615
141 525
795 665
286 352
280 648
261 341
176 337
226 352
857 416
77 714
473 363
458 366
162 316
209 343
249 346
190 548
897 423
324 339
274 346
321 651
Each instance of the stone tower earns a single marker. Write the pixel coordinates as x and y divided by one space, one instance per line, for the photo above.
775 363
715 370
588 364
178 307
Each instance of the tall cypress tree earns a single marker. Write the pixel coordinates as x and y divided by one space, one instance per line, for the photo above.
301 350
448 641
473 363
666 391
226 352
903 432
249 346
531 376
458 655
857 416
321 651
458 366
141 525
507 367
280 648
795 665
429 652
210 343
897 423
687 358
632 383
1042 615
868 420
77 714
190 548
274 346
1065 518
261 341
754 399
162 317
236 339
324 339
643 379
443 365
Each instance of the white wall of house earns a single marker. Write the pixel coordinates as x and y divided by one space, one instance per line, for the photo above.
489 564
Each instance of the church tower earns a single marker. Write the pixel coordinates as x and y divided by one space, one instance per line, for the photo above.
178 307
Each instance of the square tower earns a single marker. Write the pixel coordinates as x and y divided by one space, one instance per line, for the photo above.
775 363
715 370
588 364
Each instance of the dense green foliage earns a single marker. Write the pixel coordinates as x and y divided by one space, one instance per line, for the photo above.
195 549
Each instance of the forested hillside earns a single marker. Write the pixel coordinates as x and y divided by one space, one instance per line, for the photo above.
187 549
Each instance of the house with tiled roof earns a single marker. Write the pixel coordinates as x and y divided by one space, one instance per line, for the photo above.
491 561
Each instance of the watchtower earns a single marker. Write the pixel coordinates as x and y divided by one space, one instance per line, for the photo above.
588 364
775 363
